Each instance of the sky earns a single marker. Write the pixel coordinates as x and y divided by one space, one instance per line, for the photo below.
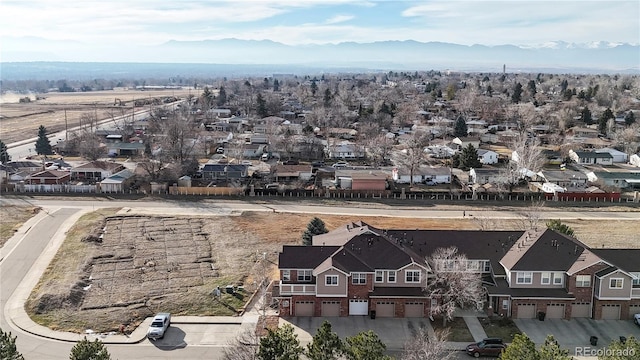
151 22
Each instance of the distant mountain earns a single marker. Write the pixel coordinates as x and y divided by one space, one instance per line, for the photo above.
383 55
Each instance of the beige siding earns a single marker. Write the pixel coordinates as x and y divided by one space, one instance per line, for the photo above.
322 289
400 277
537 281
606 292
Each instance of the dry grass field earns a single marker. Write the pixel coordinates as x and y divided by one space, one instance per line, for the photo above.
150 263
12 217
20 121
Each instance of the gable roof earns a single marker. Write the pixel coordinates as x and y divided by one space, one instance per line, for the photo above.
221 168
625 259
103 165
372 252
343 234
304 257
559 252
49 174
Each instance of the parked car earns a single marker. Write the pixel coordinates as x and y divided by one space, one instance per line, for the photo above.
290 162
486 347
159 326
340 164
636 319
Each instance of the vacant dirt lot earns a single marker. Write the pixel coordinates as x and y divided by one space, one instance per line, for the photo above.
20 121
115 269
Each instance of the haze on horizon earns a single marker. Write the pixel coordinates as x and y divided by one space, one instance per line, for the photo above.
49 30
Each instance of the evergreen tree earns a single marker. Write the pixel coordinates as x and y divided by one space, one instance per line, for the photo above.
550 350
8 348
622 351
461 129
558 226
262 106
629 118
222 96
586 116
314 87
315 227
517 93
365 345
43 146
327 98
469 158
276 85
531 87
326 345
281 344
4 153
522 348
604 119
89 350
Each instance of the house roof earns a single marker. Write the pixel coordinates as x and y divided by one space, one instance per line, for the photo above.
118 177
291 170
341 235
372 251
502 288
559 252
594 155
625 259
477 245
221 168
22 164
481 152
379 291
49 174
606 271
102 165
304 257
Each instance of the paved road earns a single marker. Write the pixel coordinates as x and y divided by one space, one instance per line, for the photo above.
23 260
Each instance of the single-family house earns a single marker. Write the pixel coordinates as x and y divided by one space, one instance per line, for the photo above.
565 178
634 160
253 151
423 174
618 179
223 172
95 170
464 142
286 173
483 176
591 157
117 182
487 157
48 177
618 156
358 270
345 150
125 149
361 179
27 166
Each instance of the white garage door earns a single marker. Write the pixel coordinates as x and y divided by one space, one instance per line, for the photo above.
414 309
385 309
633 309
330 308
526 311
358 307
304 308
555 311
580 310
610 312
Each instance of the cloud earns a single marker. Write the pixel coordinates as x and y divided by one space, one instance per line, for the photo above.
338 19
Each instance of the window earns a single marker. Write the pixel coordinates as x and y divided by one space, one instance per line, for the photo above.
448 265
379 276
358 278
505 304
616 283
487 266
558 279
636 281
583 280
545 279
331 280
524 277
304 275
391 276
412 276
286 275
473 265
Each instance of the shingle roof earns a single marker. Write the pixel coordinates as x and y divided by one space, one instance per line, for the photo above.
398 292
374 252
559 252
625 259
502 288
606 271
304 257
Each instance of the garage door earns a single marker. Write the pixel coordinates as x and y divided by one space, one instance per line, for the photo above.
414 309
385 309
330 308
555 311
610 312
304 308
358 307
633 309
526 311
580 310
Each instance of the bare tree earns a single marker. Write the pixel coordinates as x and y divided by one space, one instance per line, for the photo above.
455 282
90 146
424 347
530 217
414 155
243 347
526 161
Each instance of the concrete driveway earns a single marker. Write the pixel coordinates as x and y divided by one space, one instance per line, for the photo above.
577 332
393 332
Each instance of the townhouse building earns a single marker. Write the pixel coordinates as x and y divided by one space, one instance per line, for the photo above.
358 269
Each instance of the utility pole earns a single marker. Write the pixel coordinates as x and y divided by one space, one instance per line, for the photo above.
66 126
